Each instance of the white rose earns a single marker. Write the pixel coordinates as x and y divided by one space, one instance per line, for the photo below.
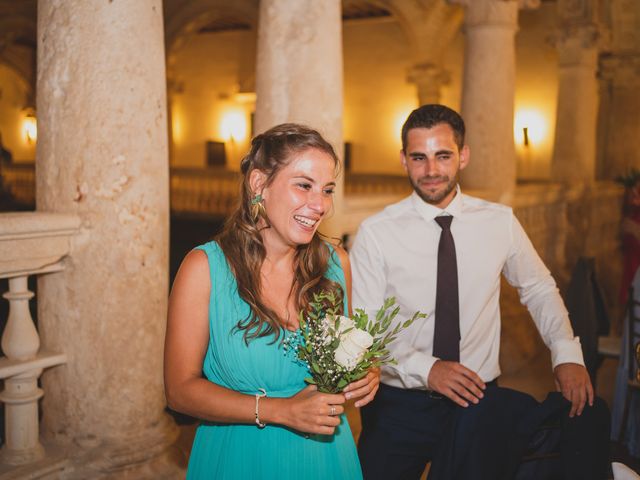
330 322
352 348
345 323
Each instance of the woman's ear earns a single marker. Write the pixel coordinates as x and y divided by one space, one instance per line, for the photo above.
257 179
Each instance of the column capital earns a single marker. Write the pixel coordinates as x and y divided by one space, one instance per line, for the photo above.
621 70
493 12
429 78
578 22
576 11
587 35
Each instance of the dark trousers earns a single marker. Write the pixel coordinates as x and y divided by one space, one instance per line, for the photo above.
403 430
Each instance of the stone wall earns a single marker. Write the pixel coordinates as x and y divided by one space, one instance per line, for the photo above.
564 223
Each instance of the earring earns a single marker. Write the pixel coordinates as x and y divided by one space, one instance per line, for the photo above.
257 207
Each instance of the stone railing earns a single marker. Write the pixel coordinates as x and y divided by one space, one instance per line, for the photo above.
30 244
197 191
376 184
19 181
214 191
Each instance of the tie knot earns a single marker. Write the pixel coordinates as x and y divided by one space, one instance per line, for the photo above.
444 221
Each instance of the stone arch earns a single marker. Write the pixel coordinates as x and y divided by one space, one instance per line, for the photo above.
18 48
185 22
394 9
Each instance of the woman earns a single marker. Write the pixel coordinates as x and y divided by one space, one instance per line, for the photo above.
232 304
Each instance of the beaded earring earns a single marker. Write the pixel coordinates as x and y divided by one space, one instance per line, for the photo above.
257 207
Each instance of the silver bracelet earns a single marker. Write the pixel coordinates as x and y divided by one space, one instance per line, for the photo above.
258 397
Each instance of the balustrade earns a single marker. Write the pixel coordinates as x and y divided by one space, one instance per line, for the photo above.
30 244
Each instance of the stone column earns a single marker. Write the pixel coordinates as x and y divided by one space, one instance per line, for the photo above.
574 150
620 76
488 94
299 74
428 79
102 155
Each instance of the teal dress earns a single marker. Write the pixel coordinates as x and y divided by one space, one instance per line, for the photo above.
239 451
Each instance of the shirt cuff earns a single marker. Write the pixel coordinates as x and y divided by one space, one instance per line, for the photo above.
412 370
566 351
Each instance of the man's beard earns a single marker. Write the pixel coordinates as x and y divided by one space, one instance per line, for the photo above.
436 197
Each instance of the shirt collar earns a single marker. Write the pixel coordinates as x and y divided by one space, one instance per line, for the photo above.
430 212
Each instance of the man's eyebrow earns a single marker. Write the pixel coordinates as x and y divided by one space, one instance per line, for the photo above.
443 151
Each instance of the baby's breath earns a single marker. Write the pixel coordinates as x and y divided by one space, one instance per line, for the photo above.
318 339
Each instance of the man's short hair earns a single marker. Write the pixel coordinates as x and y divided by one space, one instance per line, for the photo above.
428 116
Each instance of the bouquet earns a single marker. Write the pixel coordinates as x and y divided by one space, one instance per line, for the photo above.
339 350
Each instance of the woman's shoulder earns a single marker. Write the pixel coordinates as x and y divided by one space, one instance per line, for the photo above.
211 246
338 255
203 258
193 274
195 261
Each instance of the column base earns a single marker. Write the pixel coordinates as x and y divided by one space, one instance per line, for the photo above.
21 457
148 455
52 464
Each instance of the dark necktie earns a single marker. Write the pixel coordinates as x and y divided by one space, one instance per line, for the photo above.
446 335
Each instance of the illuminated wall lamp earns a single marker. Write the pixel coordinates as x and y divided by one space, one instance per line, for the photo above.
30 128
234 127
530 128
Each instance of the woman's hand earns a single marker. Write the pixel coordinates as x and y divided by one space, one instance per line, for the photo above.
364 389
311 411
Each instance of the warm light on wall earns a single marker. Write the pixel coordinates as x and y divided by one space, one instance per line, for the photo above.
234 126
398 122
177 130
30 128
530 127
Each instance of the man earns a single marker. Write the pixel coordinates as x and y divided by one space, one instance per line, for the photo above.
442 252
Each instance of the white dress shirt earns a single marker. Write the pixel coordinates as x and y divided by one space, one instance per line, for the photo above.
395 253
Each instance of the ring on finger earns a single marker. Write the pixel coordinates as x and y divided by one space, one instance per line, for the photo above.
333 410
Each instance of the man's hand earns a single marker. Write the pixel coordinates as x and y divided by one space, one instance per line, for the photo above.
457 382
574 383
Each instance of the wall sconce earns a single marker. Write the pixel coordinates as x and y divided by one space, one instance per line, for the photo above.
234 127
530 128
30 128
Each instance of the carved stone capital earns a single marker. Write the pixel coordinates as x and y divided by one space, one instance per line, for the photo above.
429 78
620 70
576 11
428 73
579 18
586 36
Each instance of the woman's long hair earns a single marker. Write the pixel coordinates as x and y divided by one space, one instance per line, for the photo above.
241 240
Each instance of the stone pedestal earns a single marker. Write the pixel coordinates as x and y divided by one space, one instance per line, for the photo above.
488 94
299 74
102 155
428 79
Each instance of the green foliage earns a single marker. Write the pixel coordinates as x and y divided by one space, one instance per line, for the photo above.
629 179
321 338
